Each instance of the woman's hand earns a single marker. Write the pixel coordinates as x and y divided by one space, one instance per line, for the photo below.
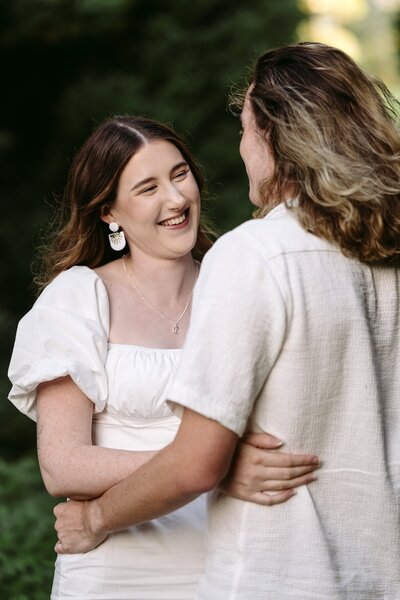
76 527
260 473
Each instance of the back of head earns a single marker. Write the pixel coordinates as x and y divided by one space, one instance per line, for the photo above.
335 138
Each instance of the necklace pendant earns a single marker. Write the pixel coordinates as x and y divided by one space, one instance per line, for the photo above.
176 329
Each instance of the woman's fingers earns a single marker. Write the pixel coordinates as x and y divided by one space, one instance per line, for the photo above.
282 478
286 460
275 492
285 474
273 485
268 454
257 471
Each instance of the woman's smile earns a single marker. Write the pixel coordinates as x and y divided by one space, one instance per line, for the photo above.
179 222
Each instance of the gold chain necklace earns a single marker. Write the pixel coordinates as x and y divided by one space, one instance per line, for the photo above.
175 324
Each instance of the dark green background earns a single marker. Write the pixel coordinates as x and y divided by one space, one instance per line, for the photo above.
66 65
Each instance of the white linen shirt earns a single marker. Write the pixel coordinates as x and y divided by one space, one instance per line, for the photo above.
289 336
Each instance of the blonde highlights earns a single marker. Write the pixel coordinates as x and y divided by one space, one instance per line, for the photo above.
336 144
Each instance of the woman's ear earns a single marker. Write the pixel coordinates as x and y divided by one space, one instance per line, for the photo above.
105 213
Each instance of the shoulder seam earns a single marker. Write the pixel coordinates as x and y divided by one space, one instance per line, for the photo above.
283 252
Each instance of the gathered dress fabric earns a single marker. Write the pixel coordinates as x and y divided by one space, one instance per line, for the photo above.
66 333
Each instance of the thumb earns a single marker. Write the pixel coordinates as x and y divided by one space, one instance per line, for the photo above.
263 440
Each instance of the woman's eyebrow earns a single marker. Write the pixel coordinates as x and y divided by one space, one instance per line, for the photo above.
142 182
183 163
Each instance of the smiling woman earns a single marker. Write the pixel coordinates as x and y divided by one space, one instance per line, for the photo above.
157 195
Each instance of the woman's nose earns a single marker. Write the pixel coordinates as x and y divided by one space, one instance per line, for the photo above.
175 198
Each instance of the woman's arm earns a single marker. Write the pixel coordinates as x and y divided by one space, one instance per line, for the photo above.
176 475
70 465
260 473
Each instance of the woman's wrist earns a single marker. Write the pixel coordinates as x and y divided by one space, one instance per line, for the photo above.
95 519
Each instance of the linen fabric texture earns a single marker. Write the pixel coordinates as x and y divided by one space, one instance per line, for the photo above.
291 337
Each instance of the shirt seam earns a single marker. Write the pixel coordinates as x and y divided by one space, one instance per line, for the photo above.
283 252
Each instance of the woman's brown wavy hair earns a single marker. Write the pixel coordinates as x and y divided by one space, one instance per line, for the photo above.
79 236
335 138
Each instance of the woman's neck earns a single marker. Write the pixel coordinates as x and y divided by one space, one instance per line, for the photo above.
168 280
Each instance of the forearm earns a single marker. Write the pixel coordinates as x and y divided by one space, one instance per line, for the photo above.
179 473
87 471
154 490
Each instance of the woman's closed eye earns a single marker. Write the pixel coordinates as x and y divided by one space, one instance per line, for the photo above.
181 174
149 189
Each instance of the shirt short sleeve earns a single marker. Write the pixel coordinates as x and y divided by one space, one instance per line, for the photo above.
236 332
65 333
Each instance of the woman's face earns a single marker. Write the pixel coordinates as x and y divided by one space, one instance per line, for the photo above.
255 151
158 202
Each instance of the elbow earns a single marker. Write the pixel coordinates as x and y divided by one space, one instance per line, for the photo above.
61 481
53 480
209 481
197 469
56 493
204 485
53 487
205 477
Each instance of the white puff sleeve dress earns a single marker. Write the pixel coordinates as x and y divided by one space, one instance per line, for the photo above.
66 333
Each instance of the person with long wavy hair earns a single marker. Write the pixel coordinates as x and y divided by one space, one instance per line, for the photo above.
93 357
295 329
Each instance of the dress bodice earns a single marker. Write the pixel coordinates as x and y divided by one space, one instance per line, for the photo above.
136 415
138 379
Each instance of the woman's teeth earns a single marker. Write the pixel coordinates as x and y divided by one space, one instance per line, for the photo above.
175 221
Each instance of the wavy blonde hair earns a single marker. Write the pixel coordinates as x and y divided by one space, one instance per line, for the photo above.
77 235
335 139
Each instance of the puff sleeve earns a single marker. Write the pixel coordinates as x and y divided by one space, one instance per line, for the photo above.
65 333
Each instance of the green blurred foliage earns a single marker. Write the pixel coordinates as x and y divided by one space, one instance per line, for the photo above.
67 65
27 536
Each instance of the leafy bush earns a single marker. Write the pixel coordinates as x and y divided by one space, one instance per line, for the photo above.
27 536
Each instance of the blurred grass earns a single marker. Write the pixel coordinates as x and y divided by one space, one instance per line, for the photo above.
27 536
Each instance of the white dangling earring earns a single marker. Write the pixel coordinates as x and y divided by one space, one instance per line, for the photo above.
117 238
